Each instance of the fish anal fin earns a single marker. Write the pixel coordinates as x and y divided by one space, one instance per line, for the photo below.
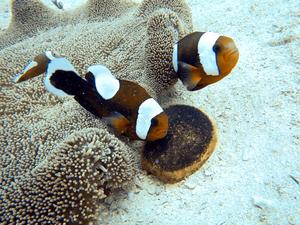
189 75
119 122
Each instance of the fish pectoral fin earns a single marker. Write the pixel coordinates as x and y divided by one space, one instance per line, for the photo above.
119 122
189 75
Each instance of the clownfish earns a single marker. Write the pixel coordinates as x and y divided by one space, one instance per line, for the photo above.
124 105
203 58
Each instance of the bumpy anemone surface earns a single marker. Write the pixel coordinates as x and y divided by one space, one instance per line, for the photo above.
55 160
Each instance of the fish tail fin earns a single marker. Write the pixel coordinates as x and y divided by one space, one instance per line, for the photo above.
34 68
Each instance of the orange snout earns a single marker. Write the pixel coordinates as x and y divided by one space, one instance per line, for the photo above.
227 55
159 127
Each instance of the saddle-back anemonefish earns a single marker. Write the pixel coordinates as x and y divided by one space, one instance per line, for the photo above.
125 105
203 58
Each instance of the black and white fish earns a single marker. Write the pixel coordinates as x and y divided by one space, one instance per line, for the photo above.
203 58
124 104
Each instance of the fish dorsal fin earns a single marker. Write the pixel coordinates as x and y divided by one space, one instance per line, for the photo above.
55 65
189 75
106 84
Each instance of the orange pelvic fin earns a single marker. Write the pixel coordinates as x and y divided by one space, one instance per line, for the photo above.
119 122
189 75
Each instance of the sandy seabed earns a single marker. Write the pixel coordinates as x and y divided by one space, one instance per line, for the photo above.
253 177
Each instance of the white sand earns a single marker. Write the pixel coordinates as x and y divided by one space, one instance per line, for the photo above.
252 176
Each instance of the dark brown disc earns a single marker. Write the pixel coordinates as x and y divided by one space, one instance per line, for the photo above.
190 141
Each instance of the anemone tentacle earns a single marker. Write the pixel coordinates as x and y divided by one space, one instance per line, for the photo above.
31 14
135 42
180 7
106 8
164 28
28 17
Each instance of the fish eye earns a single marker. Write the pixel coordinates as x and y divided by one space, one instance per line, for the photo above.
216 48
154 121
